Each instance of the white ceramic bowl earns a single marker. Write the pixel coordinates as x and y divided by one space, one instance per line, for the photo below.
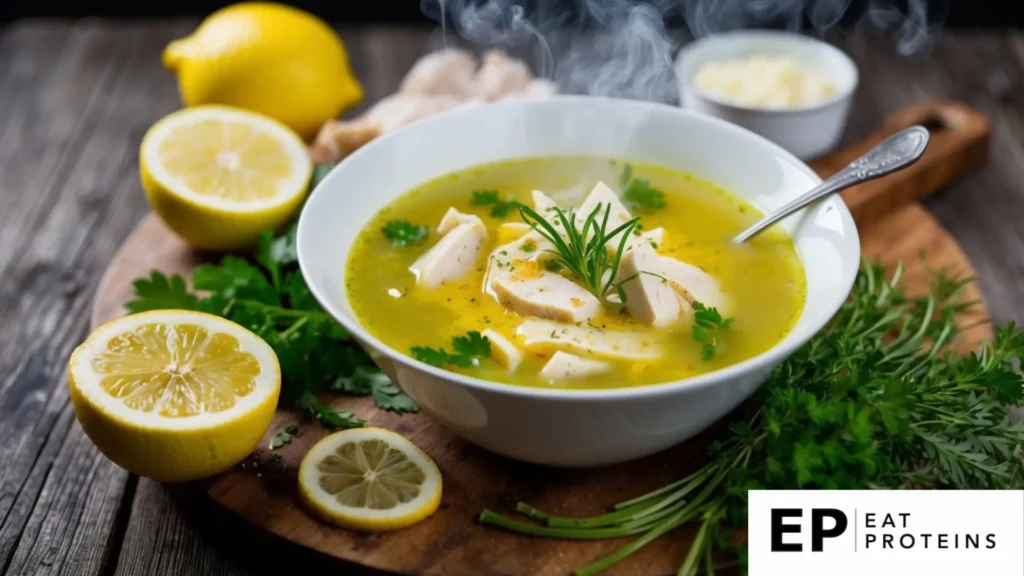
807 131
575 428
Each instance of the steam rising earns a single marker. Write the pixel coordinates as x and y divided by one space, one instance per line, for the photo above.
622 47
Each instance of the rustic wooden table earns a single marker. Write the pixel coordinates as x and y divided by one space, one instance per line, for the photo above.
75 100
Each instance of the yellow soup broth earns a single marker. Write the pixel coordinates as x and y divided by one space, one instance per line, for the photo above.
763 279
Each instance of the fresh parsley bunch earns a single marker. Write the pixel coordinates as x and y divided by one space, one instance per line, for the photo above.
268 295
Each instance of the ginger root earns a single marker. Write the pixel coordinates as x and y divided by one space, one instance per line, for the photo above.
438 82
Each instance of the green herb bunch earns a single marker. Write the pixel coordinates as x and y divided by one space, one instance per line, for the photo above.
875 400
584 252
268 295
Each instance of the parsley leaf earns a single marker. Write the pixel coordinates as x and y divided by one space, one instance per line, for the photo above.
502 210
386 394
708 325
637 194
327 416
433 356
275 252
467 351
472 344
285 436
403 232
499 208
158 292
268 295
640 196
484 197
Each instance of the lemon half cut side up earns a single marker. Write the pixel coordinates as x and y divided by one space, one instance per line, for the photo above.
218 176
174 395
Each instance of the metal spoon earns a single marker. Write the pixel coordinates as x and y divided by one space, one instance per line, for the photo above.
894 153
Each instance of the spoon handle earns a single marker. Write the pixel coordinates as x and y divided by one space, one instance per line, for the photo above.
894 153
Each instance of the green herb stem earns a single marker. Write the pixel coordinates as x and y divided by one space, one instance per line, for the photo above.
495 519
651 535
697 477
610 519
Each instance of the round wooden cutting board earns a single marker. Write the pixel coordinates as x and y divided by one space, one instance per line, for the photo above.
893 227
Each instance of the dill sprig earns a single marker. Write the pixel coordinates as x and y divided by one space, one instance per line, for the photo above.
875 400
584 251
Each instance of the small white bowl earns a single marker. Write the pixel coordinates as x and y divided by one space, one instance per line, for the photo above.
807 131
555 426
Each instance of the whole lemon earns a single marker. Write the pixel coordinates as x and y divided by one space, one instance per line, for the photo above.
268 58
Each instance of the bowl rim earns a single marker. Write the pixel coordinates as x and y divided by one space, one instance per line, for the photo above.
685 78
766 359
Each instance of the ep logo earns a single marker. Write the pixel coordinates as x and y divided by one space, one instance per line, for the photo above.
825 523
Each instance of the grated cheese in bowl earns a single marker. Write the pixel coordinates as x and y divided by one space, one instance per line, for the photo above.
764 82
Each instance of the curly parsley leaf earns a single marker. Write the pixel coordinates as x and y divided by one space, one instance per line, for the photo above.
403 232
467 351
499 208
708 326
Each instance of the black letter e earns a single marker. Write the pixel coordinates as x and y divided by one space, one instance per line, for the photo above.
778 529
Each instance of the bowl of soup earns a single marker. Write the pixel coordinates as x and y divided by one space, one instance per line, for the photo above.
555 281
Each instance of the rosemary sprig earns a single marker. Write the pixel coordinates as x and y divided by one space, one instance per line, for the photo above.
584 251
873 401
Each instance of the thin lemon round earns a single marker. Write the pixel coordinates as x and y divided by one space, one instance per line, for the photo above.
218 176
174 395
369 479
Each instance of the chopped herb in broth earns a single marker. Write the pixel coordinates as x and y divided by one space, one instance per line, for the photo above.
683 220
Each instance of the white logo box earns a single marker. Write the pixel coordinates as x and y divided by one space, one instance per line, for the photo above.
928 532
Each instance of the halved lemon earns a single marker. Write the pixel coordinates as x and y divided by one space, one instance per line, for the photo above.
369 479
174 395
217 175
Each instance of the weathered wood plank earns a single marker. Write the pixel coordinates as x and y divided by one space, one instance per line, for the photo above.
70 193
40 57
160 539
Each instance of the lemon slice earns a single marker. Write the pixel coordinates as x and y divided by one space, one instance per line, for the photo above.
174 395
369 479
219 175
